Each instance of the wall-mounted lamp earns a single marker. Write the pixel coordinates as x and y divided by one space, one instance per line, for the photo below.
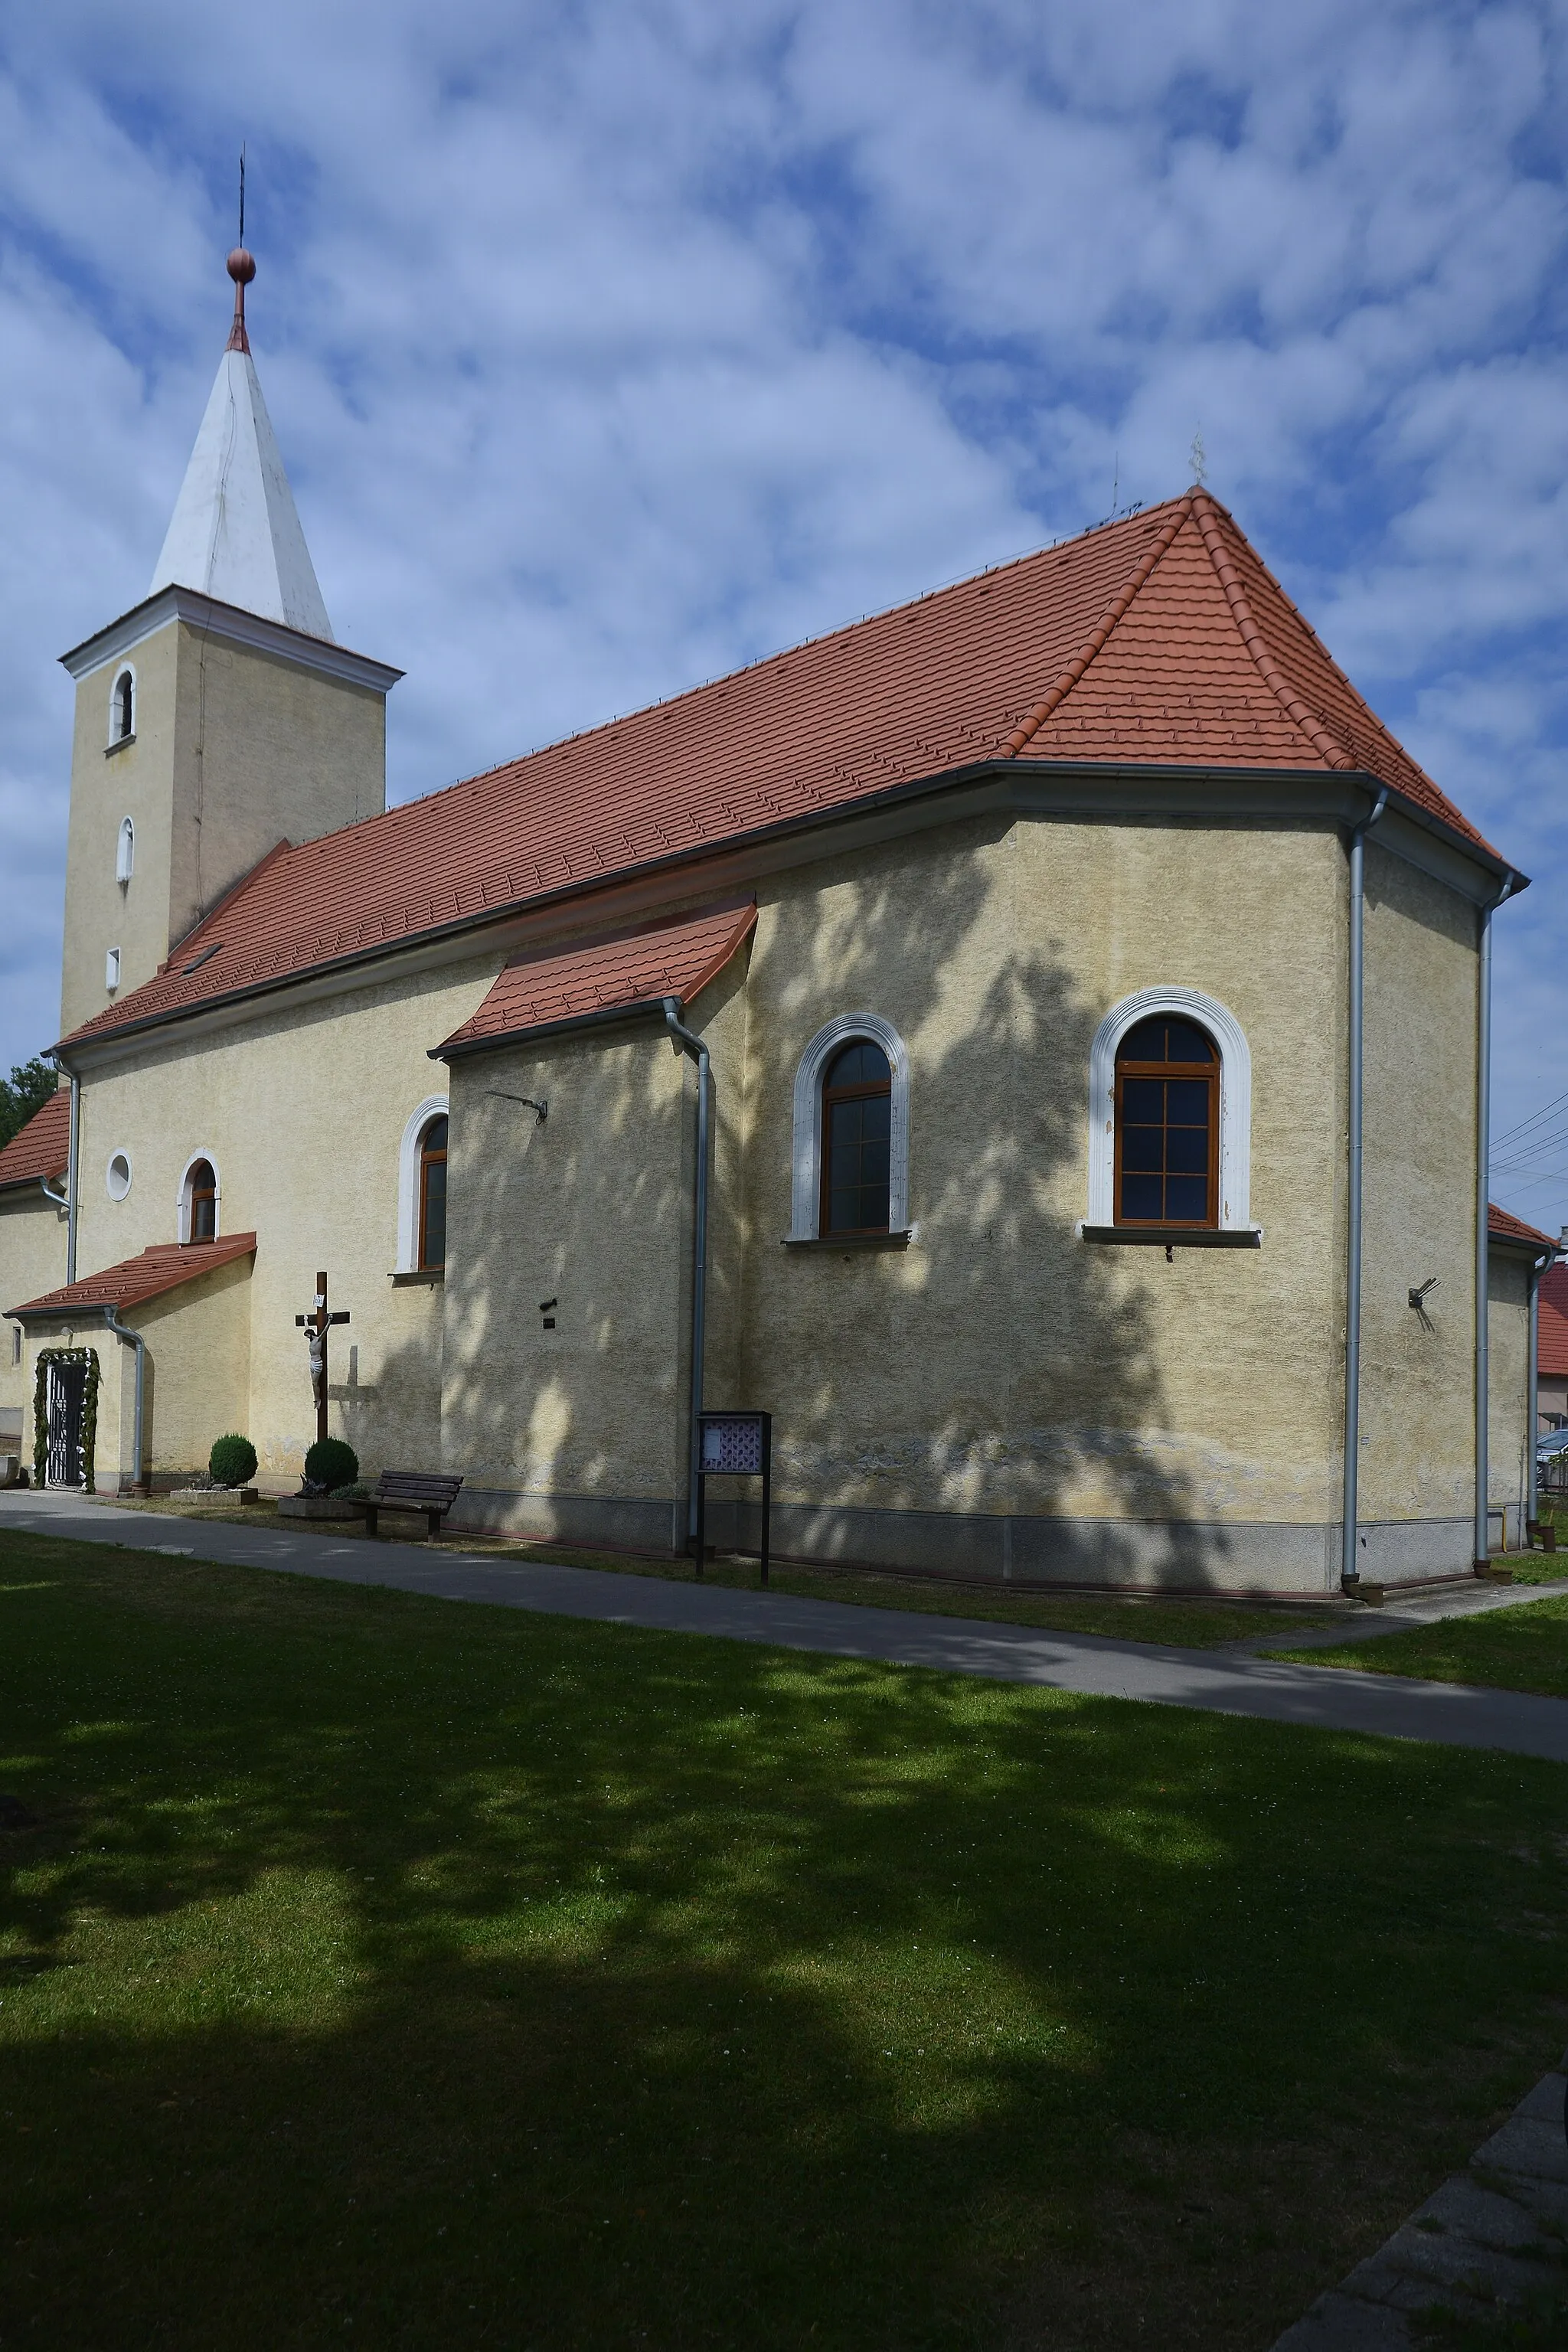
1418 1297
526 1100
544 1306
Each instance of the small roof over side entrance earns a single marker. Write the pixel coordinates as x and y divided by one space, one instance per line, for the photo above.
136 1280
604 978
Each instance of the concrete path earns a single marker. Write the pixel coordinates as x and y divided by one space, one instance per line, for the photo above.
1494 2237
1471 1598
1328 1698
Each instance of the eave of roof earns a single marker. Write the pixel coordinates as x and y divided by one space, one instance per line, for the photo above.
600 980
135 1280
1504 1227
41 1149
1174 652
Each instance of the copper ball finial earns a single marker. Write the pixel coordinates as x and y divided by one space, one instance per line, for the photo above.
241 266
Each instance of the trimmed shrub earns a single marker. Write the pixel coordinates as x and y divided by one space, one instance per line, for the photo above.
232 1461
330 1463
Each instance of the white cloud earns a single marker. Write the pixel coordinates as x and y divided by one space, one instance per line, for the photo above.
610 346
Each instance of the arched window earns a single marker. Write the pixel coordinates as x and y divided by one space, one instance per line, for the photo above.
125 851
122 708
1167 1124
432 1218
857 1133
200 1218
851 1133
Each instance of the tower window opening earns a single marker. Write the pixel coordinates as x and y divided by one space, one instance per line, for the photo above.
125 852
112 970
122 708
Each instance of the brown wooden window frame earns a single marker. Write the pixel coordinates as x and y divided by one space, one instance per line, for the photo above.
1206 1074
863 1090
426 1264
196 1196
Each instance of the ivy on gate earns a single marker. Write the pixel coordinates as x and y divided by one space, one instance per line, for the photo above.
46 1356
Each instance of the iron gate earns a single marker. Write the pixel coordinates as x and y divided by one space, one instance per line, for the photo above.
68 1396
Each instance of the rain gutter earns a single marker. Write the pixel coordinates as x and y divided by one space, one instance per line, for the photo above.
1350 1557
134 1340
1483 1217
690 1043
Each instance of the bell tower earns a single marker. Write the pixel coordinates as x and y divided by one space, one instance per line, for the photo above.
216 718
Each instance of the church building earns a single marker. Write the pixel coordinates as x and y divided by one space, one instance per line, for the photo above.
1032 1042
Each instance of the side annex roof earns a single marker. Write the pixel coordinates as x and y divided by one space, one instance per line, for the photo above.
42 1147
135 1280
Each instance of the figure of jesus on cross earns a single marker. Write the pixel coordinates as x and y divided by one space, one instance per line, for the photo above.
315 1326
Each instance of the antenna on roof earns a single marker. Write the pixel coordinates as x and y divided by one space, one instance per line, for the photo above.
1115 481
1198 458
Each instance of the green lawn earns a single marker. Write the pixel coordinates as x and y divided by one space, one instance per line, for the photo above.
384 1971
1523 1649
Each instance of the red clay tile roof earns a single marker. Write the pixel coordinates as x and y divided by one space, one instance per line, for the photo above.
607 975
1160 638
41 1148
1553 1358
1505 1227
136 1280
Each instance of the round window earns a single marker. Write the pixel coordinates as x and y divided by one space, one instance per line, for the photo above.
119 1177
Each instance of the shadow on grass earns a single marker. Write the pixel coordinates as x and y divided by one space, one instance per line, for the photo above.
461 1976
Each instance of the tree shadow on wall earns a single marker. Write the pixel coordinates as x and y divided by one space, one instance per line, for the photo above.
1000 1371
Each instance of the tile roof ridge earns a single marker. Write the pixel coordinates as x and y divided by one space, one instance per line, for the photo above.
1508 1227
1030 726
1206 512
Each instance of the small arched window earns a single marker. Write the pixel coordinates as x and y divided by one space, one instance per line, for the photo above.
122 708
125 852
1167 1125
432 1212
856 1135
201 1201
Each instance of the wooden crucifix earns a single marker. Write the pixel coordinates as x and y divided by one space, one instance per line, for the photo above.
316 1325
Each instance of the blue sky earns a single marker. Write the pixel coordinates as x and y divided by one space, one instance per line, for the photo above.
610 346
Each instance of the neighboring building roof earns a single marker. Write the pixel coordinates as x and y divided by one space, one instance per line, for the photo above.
136 1280
1159 639
606 976
42 1147
1503 1227
1553 1307
235 533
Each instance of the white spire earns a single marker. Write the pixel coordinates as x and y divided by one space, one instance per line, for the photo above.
236 534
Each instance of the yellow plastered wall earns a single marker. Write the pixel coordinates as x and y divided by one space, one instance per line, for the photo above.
235 750
1417 1455
32 1261
1000 1364
301 1110
1509 1437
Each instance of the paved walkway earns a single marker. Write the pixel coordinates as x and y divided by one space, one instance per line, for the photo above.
1493 2237
1335 1698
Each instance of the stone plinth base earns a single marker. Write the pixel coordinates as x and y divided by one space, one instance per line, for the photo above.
317 1507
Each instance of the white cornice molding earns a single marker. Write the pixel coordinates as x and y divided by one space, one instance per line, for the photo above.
218 620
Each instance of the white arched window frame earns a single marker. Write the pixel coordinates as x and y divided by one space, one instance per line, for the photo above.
183 1198
1235 1101
433 1107
805 1182
125 851
123 705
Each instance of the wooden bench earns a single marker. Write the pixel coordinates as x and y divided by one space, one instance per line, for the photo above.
412 1490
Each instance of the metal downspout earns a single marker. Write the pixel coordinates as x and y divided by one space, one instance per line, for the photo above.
73 1153
1532 1388
1481 1553
133 1340
690 1043
1350 1563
